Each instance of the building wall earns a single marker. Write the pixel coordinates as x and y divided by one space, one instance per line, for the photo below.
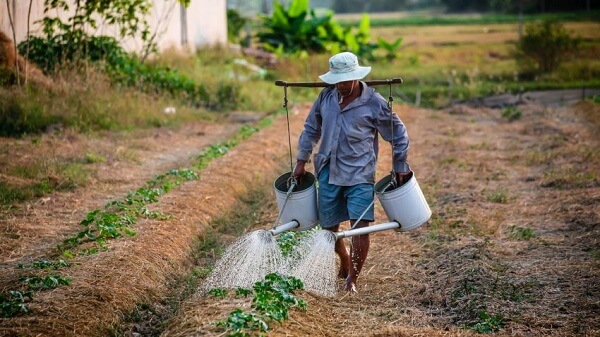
204 23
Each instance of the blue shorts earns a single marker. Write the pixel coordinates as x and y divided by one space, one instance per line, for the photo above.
342 203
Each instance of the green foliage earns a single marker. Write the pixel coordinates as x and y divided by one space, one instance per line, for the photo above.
487 323
243 292
390 48
218 292
36 283
131 72
298 29
128 17
45 264
68 42
119 215
544 46
499 196
235 24
13 303
511 113
241 323
17 118
51 51
273 297
218 150
521 233
287 241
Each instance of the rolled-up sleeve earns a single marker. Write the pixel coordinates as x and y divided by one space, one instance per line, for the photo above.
391 129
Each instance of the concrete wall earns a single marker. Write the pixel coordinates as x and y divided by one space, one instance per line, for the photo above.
204 23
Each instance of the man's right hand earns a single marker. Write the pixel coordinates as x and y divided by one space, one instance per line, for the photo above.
299 170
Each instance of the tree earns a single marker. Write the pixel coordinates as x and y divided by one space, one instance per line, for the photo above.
544 46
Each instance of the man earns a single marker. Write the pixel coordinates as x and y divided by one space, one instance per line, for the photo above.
347 117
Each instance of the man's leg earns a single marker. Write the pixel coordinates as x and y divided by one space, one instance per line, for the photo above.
359 252
341 251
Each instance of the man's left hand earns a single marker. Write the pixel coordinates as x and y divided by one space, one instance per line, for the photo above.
402 178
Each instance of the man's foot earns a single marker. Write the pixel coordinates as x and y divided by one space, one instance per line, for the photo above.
350 286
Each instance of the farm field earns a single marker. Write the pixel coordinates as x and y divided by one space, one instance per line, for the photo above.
512 247
514 234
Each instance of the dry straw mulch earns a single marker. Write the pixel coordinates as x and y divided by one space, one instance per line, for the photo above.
514 234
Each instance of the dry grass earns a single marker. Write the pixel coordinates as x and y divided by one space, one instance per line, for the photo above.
435 281
471 258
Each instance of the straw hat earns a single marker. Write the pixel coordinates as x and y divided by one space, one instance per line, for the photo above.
344 67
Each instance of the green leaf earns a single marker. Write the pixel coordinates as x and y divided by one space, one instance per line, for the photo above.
298 8
364 27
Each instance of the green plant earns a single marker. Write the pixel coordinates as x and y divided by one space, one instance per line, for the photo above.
544 46
273 297
287 241
91 158
512 113
119 215
487 323
243 292
241 323
235 23
69 31
390 48
23 117
218 292
521 233
45 264
218 150
13 303
298 29
498 196
45 283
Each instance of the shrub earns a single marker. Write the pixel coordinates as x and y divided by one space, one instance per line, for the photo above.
298 29
544 46
511 113
235 23
18 117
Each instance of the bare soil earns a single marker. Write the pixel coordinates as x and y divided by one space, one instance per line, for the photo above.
514 234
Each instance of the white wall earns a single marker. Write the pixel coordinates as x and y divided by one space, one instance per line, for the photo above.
206 23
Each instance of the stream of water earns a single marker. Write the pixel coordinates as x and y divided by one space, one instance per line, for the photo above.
250 258
246 262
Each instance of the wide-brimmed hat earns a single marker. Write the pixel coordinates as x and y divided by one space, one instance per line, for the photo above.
344 67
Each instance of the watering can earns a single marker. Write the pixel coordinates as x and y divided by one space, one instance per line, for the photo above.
405 207
296 202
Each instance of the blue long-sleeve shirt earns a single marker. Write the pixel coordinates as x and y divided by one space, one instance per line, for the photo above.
348 137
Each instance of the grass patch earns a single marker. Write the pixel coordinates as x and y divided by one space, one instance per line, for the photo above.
520 233
499 196
491 18
565 177
487 323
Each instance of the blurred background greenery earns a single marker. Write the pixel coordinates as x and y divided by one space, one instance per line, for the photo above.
444 50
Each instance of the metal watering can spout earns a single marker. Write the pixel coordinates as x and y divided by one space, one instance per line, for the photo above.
284 228
367 230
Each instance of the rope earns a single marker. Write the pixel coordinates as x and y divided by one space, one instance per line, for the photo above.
390 104
287 115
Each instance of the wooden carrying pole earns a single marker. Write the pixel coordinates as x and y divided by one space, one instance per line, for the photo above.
281 83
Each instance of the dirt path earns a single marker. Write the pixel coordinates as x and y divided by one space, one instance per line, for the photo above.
514 235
